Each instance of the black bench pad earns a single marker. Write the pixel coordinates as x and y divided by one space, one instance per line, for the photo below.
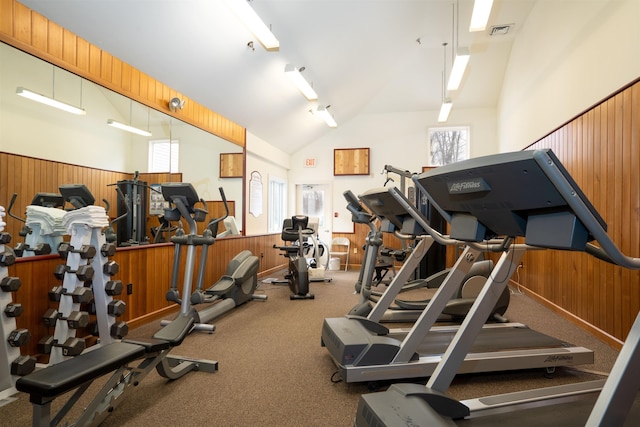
151 345
57 379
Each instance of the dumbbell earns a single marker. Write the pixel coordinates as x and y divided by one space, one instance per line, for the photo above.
23 365
116 308
111 268
5 238
19 249
10 284
108 249
80 294
13 309
113 287
85 251
39 249
71 347
75 320
84 272
7 257
18 337
119 330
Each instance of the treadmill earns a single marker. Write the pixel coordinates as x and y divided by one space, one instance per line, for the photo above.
366 351
482 198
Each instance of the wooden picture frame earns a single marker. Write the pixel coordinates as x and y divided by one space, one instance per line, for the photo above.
231 165
350 161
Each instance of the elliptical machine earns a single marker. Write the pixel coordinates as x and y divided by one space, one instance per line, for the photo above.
297 230
408 311
236 287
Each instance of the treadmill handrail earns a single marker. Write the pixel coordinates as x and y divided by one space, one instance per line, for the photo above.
608 249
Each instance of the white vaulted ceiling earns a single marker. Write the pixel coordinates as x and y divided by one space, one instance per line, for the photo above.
362 56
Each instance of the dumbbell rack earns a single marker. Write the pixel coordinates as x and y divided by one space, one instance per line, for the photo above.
12 363
35 237
83 235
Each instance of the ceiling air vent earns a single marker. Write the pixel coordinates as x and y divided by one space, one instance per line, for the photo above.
500 30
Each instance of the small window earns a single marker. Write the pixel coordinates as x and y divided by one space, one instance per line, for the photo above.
448 145
277 203
163 156
313 203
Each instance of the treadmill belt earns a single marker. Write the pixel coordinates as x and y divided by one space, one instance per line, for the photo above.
572 412
491 340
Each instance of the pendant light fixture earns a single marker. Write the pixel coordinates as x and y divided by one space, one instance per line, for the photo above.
51 101
129 127
446 106
461 55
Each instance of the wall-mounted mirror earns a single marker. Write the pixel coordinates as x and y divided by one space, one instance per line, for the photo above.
31 129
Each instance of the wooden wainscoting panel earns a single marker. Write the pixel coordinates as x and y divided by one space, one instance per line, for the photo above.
601 150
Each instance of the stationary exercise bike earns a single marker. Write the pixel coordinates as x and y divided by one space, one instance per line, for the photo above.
296 230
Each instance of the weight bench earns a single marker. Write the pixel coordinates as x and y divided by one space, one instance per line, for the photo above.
78 373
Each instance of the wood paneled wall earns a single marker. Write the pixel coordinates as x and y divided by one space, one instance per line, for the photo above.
601 150
33 33
147 268
26 176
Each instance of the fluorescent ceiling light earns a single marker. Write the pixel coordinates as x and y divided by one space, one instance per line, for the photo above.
457 71
25 93
128 128
253 22
326 116
480 15
445 109
301 83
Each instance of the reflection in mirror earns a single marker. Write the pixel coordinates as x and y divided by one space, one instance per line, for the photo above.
35 130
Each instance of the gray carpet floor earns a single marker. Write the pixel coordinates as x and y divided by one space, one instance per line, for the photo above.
273 371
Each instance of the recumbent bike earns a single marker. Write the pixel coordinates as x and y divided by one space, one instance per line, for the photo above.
296 230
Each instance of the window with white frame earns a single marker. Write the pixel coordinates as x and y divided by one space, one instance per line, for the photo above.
163 155
277 203
448 145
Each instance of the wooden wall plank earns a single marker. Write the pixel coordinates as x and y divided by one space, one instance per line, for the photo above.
6 17
39 32
69 47
21 23
55 40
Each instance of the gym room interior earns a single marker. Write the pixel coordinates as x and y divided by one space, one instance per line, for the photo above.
233 167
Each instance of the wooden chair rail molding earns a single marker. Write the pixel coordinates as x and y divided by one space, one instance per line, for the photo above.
31 32
147 268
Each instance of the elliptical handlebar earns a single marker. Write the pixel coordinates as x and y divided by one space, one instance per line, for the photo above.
358 213
11 203
213 224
